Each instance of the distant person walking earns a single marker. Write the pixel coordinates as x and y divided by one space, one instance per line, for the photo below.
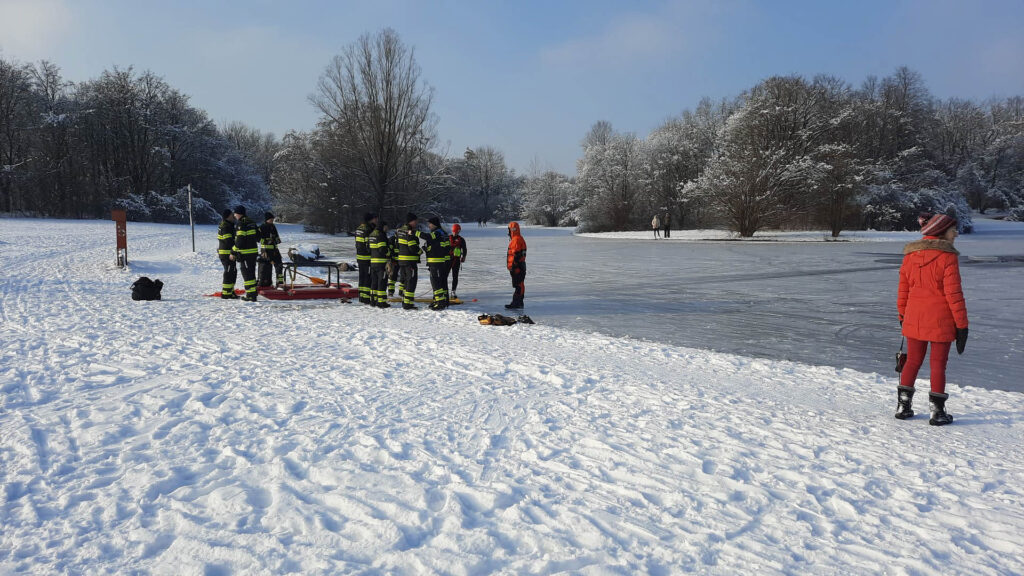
656 225
516 265
667 224
932 311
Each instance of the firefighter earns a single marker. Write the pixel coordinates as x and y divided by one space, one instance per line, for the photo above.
458 256
408 239
270 252
392 267
438 250
246 250
516 265
225 242
363 256
378 243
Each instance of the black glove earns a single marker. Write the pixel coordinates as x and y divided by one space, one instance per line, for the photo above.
961 340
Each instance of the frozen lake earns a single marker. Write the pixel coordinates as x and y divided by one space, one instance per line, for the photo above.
830 304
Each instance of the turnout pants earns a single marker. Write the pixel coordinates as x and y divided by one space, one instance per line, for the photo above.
230 275
272 259
364 282
439 282
247 265
519 284
379 283
392 271
407 274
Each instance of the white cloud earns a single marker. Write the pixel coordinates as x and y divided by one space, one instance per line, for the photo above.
33 29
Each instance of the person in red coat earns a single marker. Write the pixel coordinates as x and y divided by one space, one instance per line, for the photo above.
932 311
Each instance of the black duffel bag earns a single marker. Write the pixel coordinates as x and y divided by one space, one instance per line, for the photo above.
146 289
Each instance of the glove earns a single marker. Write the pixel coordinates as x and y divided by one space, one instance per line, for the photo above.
961 340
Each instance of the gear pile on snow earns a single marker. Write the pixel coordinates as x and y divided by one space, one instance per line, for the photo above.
500 320
146 289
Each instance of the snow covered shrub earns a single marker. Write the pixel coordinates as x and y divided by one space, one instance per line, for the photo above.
1016 214
134 206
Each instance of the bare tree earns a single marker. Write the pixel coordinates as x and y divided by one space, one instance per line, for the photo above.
373 101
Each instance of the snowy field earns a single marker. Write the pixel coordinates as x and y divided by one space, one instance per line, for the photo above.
197 436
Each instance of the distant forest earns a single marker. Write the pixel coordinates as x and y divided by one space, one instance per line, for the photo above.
790 152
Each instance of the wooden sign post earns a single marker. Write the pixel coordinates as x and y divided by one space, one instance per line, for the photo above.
121 221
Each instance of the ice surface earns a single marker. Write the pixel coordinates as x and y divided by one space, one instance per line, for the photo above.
198 436
789 296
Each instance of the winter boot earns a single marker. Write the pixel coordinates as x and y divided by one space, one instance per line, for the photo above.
904 397
228 296
939 416
409 307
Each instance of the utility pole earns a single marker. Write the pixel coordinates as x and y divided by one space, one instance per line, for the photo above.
191 222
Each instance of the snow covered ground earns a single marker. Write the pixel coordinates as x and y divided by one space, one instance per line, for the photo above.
197 436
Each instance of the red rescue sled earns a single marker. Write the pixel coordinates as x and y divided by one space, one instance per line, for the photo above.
338 291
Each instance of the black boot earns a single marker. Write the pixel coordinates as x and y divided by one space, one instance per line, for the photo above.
904 397
939 416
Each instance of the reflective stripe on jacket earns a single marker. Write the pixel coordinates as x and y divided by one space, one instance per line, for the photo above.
408 240
459 250
378 244
438 247
246 237
225 237
269 240
362 246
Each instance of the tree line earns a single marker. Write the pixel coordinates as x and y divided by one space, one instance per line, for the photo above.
123 140
793 152
790 152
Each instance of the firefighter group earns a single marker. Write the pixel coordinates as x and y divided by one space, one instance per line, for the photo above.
387 262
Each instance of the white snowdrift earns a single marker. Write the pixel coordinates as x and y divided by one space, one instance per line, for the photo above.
197 436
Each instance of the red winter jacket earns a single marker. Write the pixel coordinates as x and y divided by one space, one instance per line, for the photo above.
931 301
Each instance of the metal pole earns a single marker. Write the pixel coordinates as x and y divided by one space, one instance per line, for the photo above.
191 223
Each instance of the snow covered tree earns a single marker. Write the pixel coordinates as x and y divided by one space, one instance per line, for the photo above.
610 177
376 114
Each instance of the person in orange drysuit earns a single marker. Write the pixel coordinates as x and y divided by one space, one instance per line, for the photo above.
516 265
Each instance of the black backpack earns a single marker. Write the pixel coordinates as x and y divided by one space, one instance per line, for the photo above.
146 289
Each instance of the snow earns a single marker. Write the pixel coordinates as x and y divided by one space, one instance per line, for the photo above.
197 436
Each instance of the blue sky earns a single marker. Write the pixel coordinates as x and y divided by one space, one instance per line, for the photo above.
527 77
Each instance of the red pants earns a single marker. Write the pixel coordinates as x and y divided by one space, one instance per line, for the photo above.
936 362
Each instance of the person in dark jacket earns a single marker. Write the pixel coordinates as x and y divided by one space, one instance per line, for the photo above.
246 250
392 266
225 242
458 256
516 261
378 242
270 252
438 250
363 255
408 239
932 311
666 224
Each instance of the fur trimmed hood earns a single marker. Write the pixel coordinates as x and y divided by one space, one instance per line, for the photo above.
930 244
